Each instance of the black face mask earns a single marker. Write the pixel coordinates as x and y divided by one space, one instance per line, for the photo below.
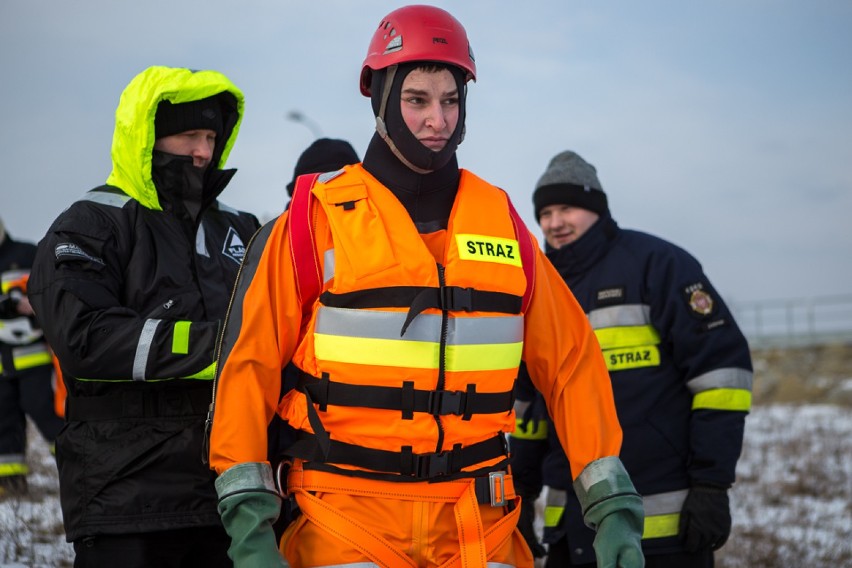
178 182
402 142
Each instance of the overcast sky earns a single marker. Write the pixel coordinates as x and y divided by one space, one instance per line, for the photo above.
724 127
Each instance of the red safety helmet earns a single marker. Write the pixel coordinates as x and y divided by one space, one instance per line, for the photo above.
417 33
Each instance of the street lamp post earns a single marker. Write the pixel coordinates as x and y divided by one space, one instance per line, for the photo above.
297 116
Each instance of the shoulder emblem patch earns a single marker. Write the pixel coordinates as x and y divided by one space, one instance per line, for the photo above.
234 247
700 301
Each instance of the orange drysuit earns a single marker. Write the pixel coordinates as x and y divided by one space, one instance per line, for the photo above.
408 357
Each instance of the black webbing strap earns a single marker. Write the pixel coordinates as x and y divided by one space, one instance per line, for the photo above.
419 298
405 462
173 402
407 399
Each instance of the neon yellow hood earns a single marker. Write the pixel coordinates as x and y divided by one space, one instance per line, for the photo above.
133 139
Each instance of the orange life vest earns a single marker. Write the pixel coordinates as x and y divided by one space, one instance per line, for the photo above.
408 364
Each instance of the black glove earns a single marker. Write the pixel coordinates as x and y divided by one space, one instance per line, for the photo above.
525 525
705 520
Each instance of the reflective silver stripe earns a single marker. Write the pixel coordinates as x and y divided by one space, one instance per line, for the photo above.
12 458
200 241
143 348
556 498
328 265
603 469
425 327
664 503
521 407
728 377
618 316
104 198
247 476
37 349
226 208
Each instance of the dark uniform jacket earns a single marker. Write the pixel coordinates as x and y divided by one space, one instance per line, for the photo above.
22 344
131 290
681 375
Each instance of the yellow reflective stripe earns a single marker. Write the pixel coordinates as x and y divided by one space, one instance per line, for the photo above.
8 469
535 430
207 373
632 357
180 338
485 248
552 516
723 399
658 526
627 336
484 357
415 354
33 360
383 352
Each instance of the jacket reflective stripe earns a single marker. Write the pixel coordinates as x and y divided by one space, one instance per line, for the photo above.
31 356
10 469
201 241
374 324
554 506
416 354
535 429
662 513
372 337
722 389
328 265
106 198
627 338
143 348
180 338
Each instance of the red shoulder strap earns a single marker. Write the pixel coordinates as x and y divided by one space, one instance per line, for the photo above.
302 245
525 242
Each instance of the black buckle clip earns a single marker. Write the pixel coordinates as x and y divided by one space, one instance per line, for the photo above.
446 402
455 298
433 465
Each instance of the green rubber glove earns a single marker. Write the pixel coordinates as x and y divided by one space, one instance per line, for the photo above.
248 505
614 509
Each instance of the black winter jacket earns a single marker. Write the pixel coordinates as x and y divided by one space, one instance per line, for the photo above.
131 290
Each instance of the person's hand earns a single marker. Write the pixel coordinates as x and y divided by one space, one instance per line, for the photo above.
526 524
618 541
705 520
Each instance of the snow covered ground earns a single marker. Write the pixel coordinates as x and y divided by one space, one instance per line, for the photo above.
792 504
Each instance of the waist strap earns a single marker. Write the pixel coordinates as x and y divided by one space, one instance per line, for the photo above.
139 404
406 463
406 399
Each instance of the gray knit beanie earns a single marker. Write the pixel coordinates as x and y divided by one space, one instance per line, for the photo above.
570 180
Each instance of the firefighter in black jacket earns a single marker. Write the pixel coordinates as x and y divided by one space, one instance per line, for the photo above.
681 375
130 284
26 367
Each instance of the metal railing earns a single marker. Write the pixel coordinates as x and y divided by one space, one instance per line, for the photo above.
795 321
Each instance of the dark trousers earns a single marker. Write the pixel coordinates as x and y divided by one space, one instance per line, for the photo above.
26 393
205 547
558 556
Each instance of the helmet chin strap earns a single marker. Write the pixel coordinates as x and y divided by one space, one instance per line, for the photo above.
382 129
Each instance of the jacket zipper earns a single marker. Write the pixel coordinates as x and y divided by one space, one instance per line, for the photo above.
208 422
442 351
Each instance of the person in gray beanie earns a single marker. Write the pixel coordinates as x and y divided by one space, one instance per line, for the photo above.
680 369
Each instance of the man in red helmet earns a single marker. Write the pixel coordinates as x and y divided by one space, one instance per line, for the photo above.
406 292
